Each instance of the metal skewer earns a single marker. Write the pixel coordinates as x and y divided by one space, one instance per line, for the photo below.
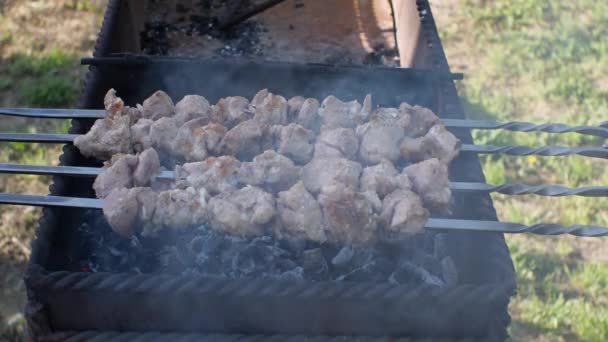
432 223
516 126
595 152
508 189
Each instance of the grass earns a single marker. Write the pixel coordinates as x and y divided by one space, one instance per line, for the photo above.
542 61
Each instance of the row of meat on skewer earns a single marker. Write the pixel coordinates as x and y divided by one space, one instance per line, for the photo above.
296 169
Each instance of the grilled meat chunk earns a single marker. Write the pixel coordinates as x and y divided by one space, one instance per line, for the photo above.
335 113
178 209
215 174
402 213
308 114
270 170
245 140
348 216
195 140
381 178
300 214
157 106
107 137
295 142
140 135
322 172
148 166
231 111
294 105
430 181
117 173
121 210
338 142
382 135
162 134
269 108
437 143
192 107
421 119
242 212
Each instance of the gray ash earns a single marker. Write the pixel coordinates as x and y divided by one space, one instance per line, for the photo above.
202 251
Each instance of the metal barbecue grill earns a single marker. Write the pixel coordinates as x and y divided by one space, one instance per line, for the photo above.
65 302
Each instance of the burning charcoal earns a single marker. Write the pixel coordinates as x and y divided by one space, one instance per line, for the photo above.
449 272
314 263
373 271
293 275
343 257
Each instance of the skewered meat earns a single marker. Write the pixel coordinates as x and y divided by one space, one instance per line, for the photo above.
107 137
347 215
121 210
242 212
117 173
421 119
245 140
403 212
215 174
162 133
140 135
430 181
308 114
300 214
340 142
437 143
381 178
322 172
231 111
148 166
195 141
269 170
382 135
335 113
295 142
192 107
126 171
177 209
269 108
366 109
294 105
157 106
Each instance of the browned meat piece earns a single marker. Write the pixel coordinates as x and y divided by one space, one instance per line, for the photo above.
339 139
294 105
270 170
114 105
125 209
366 109
295 142
335 113
117 173
195 140
347 215
215 174
321 172
242 212
162 134
148 166
437 143
301 217
382 135
192 107
374 200
325 151
178 209
430 181
308 114
269 108
107 137
381 179
158 105
246 140
140 135
421 119
402 213
231 111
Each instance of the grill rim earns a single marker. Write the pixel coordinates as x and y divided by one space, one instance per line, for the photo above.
495 255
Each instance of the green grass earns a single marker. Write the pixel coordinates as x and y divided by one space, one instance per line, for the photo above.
542 61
